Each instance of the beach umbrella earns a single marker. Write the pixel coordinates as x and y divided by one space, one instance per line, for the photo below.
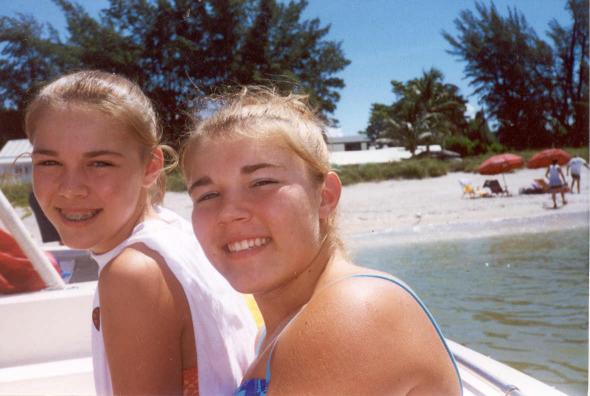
501 163
544 158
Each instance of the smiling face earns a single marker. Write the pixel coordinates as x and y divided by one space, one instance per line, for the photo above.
256 210
89 176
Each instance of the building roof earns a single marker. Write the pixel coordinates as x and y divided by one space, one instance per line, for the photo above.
15 148
348 139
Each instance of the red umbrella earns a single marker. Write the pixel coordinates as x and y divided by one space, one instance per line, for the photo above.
500 163
544 158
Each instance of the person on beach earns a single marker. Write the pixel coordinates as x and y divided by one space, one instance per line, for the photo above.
557 182
164 321
575 165
264 206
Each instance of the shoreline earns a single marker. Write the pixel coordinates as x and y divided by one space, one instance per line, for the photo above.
432 233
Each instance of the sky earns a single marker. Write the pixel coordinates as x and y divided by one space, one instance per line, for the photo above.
384 40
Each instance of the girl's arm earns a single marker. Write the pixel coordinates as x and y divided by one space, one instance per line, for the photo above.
141 327
362 336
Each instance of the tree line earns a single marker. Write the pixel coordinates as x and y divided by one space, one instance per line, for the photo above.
534 92
177 51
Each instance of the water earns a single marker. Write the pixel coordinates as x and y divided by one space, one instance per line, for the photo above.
521 299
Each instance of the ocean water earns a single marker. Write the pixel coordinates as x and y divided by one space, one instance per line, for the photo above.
521 299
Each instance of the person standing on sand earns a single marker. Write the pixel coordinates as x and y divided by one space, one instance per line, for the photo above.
264 206
575 165
557 182
164 321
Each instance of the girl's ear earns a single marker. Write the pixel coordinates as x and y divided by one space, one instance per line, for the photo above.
154 167
330 194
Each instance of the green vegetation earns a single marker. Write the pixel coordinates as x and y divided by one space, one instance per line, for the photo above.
536 99
536 91
426 111
175 181
406 169
176 50
16 193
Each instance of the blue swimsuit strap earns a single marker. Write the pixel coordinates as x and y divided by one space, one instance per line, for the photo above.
260 340
400 284
424 308
274 344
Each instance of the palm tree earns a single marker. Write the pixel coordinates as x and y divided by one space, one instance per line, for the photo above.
426 111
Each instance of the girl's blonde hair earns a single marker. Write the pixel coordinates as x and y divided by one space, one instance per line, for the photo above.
260 112
116 97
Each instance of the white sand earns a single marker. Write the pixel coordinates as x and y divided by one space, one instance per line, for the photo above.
435 208
411 210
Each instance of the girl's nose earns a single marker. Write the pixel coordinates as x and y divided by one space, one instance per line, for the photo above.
233 210
73 185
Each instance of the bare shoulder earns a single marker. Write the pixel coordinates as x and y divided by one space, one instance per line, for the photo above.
132 271
365 335
135 288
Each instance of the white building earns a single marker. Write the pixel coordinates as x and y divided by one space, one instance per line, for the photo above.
15 161
348 143
375 156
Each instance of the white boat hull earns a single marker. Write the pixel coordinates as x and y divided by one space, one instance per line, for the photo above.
46 349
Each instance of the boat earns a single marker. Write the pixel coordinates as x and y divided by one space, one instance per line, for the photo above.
45 345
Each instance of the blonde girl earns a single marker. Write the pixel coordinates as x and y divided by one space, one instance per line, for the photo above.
164 321
264 205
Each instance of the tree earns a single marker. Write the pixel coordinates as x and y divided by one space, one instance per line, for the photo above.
514 72
177 51
425 111
479 133
570 89
30 54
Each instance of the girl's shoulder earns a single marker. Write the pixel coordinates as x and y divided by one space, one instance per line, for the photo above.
131 271
136 282
371 322
370 294
364 311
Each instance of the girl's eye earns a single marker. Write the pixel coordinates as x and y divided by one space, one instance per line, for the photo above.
207 196
100 164
47 163
263 182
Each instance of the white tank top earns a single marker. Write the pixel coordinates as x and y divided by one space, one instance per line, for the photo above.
223 326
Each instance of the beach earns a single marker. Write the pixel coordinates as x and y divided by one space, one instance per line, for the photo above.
434 208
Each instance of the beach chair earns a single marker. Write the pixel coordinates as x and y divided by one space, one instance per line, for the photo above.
467 187
472 192
495 187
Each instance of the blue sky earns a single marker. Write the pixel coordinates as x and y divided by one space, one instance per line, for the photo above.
384 39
